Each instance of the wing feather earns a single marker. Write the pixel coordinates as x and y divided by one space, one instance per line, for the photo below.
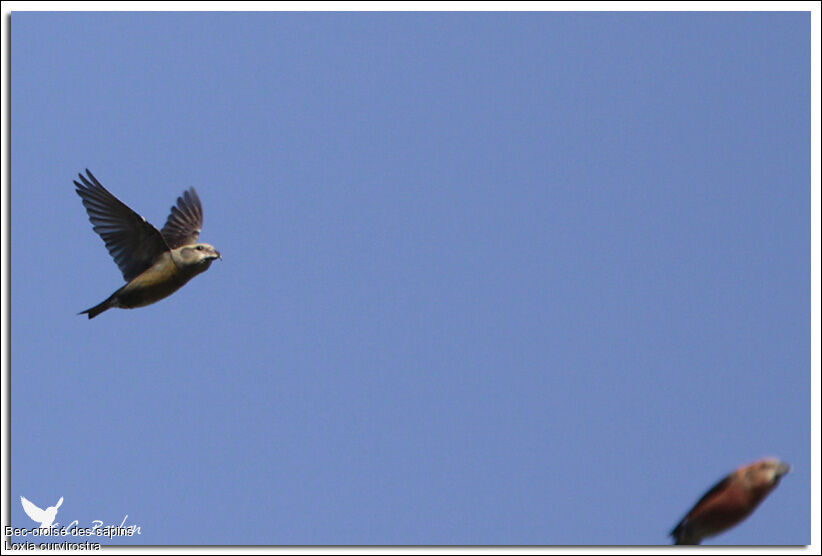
185 221
133 243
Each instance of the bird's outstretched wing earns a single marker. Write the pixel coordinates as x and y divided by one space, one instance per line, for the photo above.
185 221
59 503
33 511
133 243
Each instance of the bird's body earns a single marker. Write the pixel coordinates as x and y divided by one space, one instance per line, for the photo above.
155 264
730 501
160 280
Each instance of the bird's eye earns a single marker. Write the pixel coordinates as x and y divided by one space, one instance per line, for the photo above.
199 248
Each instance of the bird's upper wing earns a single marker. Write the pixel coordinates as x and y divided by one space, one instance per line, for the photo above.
33 511
132 242
185 221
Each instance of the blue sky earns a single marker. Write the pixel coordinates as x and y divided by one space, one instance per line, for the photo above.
500 278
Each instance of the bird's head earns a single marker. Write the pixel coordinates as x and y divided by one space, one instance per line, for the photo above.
197 256
766 473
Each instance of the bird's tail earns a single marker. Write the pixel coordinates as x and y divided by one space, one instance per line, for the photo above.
96 310
681 535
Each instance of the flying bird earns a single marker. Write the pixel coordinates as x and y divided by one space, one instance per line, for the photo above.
44 517
730 501
155 263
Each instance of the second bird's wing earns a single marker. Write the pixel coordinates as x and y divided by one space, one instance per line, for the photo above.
185 221
33 511
133 243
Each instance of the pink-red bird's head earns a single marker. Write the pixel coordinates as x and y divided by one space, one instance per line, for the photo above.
730 501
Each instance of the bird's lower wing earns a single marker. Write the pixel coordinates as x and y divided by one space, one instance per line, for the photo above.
133 243
33 511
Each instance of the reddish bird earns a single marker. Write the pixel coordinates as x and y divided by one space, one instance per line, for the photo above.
730 501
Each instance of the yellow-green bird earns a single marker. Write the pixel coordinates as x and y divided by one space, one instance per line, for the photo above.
154 263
